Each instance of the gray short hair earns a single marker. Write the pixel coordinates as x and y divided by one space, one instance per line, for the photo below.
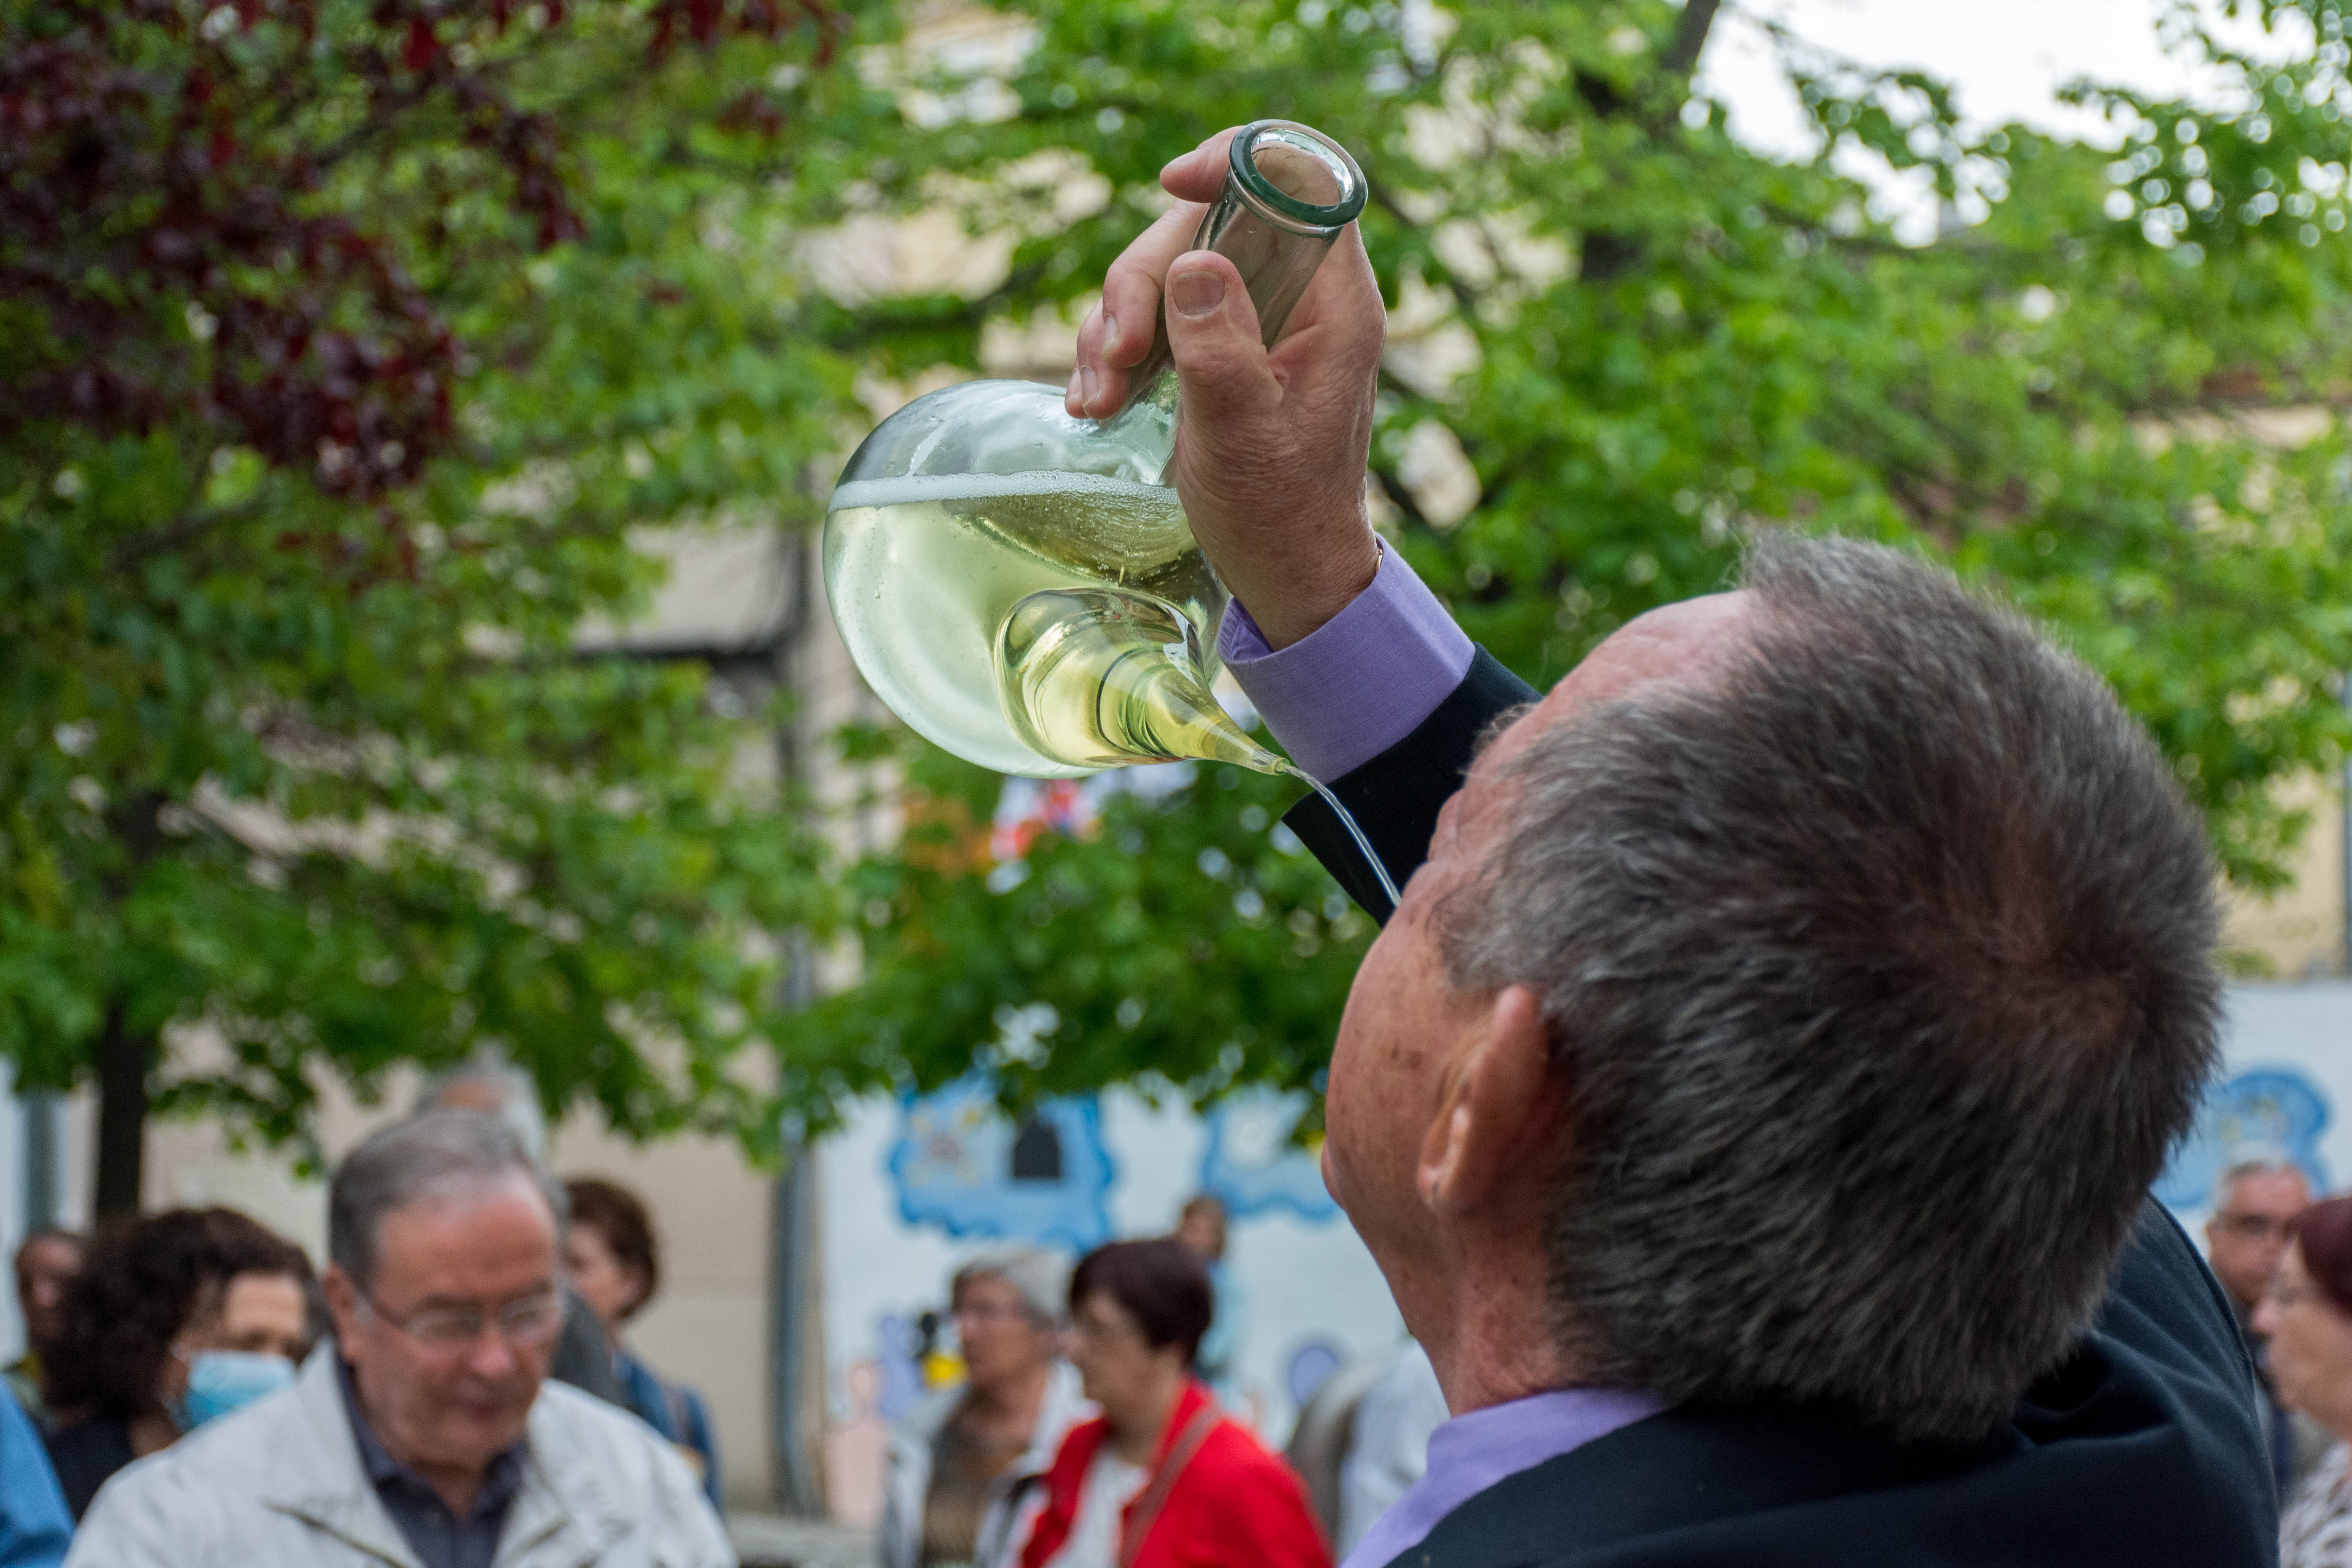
1042 1278
506 1085
2252 1160
436 1155
1879 973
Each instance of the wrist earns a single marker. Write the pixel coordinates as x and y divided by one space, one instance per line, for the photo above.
1289 606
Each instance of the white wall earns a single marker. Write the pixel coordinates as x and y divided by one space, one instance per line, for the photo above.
12 1208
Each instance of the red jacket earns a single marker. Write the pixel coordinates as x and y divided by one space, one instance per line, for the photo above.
1234 1505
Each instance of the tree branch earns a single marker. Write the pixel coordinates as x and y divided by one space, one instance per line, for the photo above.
182 531
1690 36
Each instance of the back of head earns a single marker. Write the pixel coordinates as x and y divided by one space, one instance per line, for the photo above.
143 1280
1202 1225
1879 974
2324 1233
1161 1283
438 1155
488 1082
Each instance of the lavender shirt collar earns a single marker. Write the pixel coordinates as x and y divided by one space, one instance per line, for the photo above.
1478 1450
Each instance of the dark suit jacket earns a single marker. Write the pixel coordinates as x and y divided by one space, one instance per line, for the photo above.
2144 1448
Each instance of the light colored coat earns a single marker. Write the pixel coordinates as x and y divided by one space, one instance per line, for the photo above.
911 1441
280 1485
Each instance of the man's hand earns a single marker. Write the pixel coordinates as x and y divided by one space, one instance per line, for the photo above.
1270 448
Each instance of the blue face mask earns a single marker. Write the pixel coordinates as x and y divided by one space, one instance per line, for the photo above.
223 1381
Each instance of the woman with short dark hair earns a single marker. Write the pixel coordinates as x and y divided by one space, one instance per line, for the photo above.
176 1319
1161 1479
2307 1318
615 1263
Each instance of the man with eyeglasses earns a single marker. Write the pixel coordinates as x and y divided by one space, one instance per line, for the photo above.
428 1435
2245 1237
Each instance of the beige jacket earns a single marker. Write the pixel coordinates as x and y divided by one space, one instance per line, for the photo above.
280 1485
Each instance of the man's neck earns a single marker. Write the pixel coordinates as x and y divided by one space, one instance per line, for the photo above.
457 1485
1494 1337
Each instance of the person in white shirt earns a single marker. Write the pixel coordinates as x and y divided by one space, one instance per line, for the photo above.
1387 1441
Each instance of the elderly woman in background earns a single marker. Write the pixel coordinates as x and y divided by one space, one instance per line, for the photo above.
964 1461
1162 1479
615 1264
2307 1315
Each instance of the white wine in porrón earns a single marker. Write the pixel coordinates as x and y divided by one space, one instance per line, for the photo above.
923 574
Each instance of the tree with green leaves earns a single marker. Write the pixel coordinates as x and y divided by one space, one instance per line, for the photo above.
345 343
1619 338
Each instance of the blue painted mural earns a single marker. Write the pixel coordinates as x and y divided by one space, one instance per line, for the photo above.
959 1164
2269 1108
1252 1166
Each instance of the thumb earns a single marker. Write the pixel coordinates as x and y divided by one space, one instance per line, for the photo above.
1213 334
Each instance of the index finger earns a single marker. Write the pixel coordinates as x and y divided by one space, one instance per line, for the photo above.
1199 175
1119 333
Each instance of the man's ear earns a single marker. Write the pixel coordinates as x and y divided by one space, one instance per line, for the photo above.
342 1294
1499 1112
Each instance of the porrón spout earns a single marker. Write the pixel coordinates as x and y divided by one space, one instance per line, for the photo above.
1102 677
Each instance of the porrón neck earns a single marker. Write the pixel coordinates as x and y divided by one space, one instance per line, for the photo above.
1276 262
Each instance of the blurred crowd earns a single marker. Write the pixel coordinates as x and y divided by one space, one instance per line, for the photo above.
456 1387
2284 1261
1089 1421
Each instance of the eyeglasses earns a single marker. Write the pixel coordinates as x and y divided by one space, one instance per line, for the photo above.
992 1312
526 1322
2254 1226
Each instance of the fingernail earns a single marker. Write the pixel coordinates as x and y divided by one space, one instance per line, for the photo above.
1198 293
1110 334
1071 393
1086 385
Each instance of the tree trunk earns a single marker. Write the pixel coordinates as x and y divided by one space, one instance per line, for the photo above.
124 1058
1690 36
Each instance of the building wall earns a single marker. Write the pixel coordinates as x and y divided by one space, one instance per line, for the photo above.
12 1208
710 1325
2298 932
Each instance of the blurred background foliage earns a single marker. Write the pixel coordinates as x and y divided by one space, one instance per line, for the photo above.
351 346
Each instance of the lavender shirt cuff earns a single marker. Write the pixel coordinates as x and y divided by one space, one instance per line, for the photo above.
1359 684
1484 1447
